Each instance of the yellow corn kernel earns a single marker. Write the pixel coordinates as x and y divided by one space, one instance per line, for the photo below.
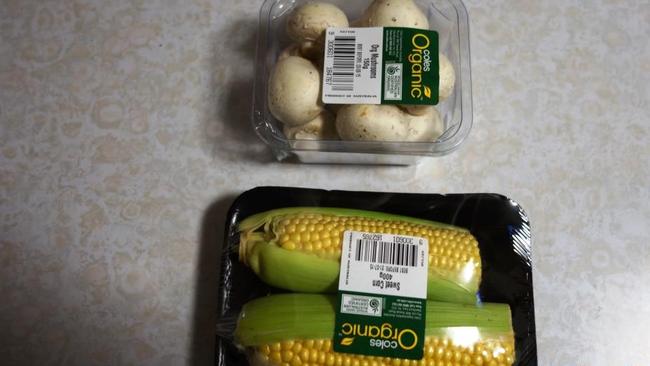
437 351
453 249
306 242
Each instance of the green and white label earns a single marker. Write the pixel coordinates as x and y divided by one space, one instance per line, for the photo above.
380 66
382 295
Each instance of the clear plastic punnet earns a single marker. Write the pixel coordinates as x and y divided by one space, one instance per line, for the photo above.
448 17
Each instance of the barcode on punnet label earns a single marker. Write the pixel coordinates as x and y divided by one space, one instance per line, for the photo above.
375 251
352 66
343 63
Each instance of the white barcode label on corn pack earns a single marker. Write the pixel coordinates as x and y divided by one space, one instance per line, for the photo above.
384 264
352 72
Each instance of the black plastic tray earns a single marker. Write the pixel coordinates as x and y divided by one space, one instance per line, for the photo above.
499 223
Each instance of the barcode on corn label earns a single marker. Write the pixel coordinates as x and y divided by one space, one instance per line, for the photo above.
384 264
385 252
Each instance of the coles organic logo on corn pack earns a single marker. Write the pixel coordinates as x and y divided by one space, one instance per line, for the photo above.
384 336
420 60
375 305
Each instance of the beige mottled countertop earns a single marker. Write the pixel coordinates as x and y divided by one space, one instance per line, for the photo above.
125 136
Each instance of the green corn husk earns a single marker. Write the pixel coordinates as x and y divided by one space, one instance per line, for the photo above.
270 326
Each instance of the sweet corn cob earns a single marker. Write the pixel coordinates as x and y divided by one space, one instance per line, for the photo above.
299 249
296 329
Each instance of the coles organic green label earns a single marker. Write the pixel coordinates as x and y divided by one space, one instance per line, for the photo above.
380 66
382 295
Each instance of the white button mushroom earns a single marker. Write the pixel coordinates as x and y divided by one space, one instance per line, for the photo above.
416 109
447 77
291 50
394 13
294 91
387 123
320 128
426 127
312 50
371 123
308 22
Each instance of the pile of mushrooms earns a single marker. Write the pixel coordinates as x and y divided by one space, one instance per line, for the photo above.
294 93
